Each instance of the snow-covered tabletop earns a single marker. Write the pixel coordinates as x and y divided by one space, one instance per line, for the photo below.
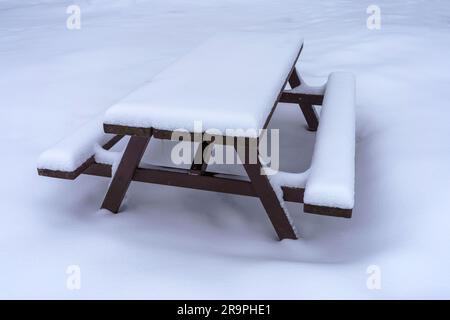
230 82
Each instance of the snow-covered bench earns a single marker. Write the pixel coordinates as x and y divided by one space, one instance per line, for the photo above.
329 182
332 174
233 81
74 154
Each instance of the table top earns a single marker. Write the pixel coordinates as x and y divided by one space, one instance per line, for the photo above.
230 82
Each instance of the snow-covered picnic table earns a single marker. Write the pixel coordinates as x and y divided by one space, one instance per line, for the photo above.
232 83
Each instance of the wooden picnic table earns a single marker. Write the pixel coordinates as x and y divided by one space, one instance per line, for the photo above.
232 83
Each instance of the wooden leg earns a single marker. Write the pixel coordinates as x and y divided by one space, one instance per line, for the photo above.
269 199
307 108
124 174
199 164
310 115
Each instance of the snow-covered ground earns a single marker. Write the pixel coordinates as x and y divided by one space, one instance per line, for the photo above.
176 243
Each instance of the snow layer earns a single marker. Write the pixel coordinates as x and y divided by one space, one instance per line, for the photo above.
289 179
73 150
229 82
332 175
208 245
307 89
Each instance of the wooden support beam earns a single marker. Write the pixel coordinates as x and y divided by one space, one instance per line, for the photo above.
127 130
298 98
267 195
306 106
209 181
125 172
199 163
212 181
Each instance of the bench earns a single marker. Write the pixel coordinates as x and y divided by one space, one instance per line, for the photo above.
332 174
71 156
232 81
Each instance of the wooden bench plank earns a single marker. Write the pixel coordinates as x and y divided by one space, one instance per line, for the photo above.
72 175
332 173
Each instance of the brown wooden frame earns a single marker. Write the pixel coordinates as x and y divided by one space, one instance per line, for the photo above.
197 177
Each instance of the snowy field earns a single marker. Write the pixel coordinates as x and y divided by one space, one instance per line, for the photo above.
177 243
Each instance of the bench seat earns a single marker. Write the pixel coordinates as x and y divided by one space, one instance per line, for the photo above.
232 81
332 173
72 155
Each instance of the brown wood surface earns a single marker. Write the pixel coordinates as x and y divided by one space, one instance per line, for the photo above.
199 163
327 211
124 174
298 98
209 181
267 196
305 105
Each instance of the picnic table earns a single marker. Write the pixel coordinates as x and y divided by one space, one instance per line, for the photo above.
232 83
